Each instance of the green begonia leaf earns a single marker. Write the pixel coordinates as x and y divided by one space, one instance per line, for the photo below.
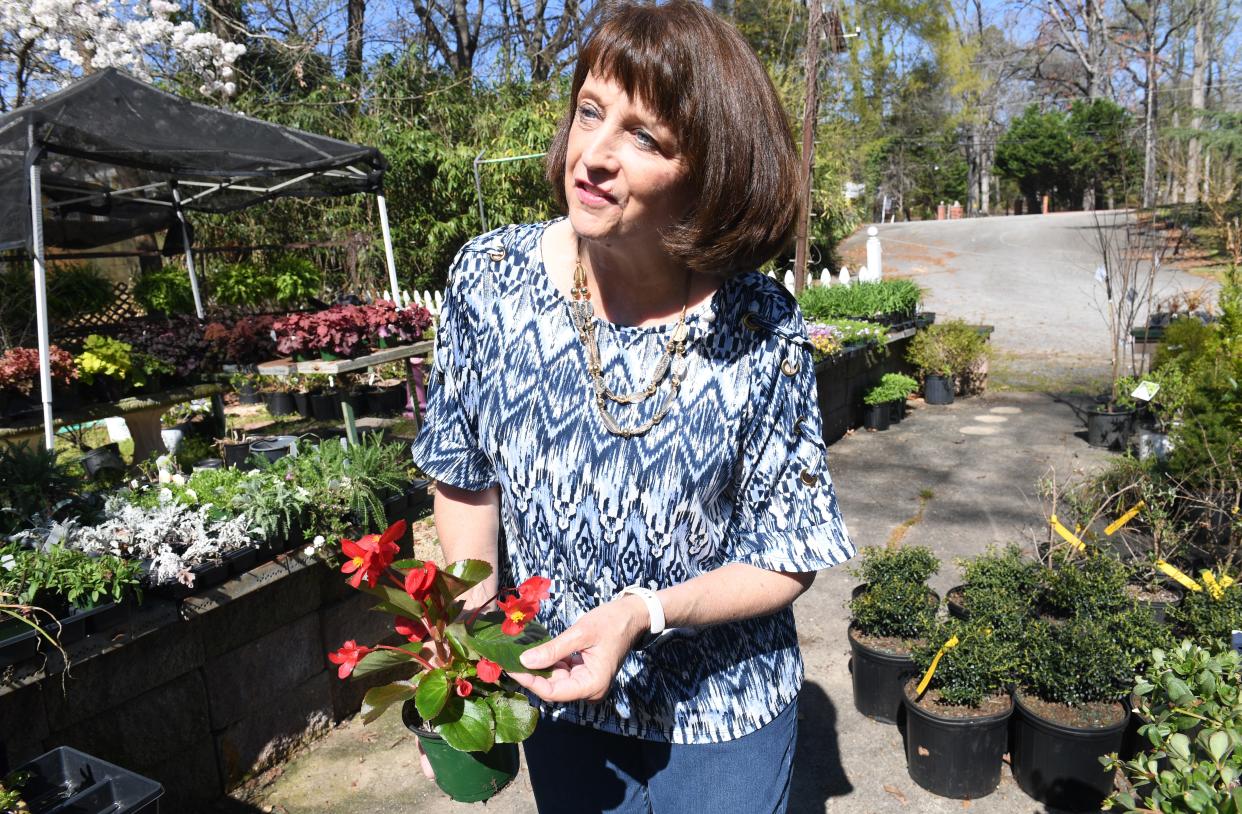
489 640
397 600
378 660
515 717
378 699
433 691
467 724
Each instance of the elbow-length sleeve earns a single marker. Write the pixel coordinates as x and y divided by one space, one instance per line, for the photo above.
786 516
448 447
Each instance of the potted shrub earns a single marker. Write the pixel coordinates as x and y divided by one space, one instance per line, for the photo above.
929 352
246 385
957 728
1208 617
1000 585
468 716
885 401
1190 700
278 396
890 612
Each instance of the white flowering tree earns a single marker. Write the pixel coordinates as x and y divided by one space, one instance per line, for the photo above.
45 44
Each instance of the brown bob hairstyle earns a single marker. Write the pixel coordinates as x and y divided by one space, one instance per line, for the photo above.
701 78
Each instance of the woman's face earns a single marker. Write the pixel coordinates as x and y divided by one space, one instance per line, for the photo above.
624 173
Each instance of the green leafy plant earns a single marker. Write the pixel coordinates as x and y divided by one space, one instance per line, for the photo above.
294 279
241 284
950 348
1001 586
896 298
892 387
1209 620
1190 699
1092 585
897 602
33 482
1075 662
165 290
981 664
102 356
76 577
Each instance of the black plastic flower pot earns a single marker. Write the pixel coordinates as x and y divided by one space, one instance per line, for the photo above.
896 410
1159 604
396 397
241 560
938 389
69 627
209 574
958 757
467 777
66 781
101 460
395 507
280 403
325 406
878 679
377 404
955 601
359 404
105 616
208 463
248 394
419 494
18 641
1109 430
301 403
235 454
1059 765
876 417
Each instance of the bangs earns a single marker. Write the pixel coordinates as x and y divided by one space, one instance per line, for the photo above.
648 59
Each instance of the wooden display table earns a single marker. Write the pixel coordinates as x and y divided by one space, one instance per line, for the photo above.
288 367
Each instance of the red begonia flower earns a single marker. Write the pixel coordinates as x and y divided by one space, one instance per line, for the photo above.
412 629
488 671
535 588
360 561
420 581
463 688
348 657
519 611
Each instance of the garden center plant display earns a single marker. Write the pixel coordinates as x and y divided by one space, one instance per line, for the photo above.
946 353
467 714
886 401
831 338
886 301
890 613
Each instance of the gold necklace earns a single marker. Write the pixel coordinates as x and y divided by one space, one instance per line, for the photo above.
583 315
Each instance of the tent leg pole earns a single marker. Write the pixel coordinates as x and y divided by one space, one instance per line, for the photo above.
388 255
189 254
40 283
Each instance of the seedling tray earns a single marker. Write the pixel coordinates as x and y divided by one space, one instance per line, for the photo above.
66 781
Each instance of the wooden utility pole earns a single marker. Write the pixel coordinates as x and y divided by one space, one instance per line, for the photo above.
810 116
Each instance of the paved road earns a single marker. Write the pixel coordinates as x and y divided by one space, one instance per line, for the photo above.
1032 277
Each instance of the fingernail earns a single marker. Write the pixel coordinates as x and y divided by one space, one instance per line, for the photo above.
527 658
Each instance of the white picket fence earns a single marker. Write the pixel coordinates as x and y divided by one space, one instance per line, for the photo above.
433 301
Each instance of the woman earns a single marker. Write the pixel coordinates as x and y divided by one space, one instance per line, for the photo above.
624 403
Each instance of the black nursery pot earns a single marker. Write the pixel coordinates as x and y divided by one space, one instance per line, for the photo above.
248 394
938 389
1109 430
236 454
876 416
878 680
1059 765
280 403
325 406
955 757
101 459
896 410
301 403
358 403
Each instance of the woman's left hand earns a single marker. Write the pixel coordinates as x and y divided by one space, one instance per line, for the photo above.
585 658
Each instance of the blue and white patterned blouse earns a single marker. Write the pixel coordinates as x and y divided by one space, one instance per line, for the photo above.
736 472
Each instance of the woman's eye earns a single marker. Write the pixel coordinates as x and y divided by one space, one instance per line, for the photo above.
587 112
645 140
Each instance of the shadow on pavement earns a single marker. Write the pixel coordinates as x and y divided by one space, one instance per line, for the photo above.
817 771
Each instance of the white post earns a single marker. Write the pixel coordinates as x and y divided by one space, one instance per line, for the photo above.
789 281
825 276
189 253
874 251
388 255
40 283
845 275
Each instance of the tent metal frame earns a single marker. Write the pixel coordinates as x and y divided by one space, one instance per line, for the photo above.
36 156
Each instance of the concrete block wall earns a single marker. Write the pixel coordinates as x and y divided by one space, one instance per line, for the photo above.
204 693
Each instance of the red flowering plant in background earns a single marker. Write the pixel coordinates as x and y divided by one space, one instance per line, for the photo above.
19 369
459 686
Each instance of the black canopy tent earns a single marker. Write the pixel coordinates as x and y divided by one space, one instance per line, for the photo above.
111 157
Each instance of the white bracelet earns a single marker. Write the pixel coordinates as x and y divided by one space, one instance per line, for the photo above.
654 609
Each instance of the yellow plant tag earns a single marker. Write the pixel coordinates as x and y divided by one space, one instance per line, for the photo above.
1125 518
931 668
1186 581
1066 534
1214 587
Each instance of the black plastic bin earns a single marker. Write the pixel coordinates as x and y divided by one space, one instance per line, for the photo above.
66 781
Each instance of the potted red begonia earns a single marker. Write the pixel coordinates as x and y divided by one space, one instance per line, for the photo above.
468 715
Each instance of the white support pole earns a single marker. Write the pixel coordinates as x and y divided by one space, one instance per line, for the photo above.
40 283
189 253
874 253
388 255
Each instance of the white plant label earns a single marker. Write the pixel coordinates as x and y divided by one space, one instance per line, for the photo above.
1101 274
1237 640
1146 391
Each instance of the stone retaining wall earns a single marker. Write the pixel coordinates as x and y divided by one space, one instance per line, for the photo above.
203 693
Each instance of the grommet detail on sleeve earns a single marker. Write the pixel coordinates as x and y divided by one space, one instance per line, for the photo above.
750 321
789 367
497 254
798 425
808 479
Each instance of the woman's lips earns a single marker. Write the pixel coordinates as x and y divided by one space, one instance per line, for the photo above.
592 195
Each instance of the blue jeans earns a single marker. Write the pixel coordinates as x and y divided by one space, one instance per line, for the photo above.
579 770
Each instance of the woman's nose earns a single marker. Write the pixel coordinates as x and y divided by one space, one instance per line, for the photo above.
600 151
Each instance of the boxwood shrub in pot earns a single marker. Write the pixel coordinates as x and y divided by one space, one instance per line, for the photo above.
1001 587
890 613
957 729
1209 618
